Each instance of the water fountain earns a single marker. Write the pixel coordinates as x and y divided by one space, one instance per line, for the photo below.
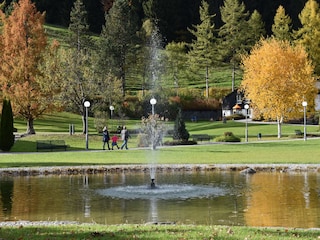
154 131
155 47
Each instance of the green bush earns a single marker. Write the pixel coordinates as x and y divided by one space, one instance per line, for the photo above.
227 137
6 127
179 142
179 131
235 116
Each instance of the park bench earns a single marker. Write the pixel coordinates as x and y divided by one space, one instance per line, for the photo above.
298 132
51 145
201 137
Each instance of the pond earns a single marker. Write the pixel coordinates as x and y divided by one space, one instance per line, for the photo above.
219 197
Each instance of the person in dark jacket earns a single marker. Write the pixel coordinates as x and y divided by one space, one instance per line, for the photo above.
105 138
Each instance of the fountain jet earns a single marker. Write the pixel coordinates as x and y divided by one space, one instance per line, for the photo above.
152 185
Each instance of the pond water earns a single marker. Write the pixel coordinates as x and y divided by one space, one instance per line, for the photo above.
225 198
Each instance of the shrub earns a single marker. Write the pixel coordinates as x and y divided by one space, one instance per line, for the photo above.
180 132
6 127
227 137
100 120
235 116
179 142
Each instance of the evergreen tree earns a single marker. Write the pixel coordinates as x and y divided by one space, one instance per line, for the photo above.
282 27
233 32
179 131
256 28
78 27
119 40
176 67
309 34
202 54
6 127
77 63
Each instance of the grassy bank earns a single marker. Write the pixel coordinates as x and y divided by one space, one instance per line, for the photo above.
288 150
295 151
154 232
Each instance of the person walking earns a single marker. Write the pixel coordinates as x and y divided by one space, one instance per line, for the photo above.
105 138
124 137
114 141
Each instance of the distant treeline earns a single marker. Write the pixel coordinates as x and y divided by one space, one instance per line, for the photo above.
175 16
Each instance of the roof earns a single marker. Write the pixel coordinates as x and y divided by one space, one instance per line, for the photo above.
237 106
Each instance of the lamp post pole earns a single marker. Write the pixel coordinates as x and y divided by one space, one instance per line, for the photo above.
87 105
111 111
304 104
153 102
246 107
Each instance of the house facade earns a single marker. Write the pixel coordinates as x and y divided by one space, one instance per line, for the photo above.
234 103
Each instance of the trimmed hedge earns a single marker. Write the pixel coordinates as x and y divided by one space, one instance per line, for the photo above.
179 142
227 137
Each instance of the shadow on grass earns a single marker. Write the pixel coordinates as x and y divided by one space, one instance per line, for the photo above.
31 146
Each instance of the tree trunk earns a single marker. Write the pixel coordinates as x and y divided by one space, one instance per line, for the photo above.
233 76
30 128
279 121
207 82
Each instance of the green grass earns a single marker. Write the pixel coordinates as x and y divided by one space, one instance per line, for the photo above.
56 126
294 152
154 232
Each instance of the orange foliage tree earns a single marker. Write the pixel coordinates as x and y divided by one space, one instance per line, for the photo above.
23 45
277 78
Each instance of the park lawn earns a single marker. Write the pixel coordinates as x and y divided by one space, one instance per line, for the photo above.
277 152
60 122
126 231
288 149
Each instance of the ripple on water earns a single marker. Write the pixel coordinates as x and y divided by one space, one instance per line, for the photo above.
175 191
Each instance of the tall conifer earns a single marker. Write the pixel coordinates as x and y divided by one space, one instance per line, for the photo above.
202 54
282 27
119 40
6 127
79 74
309 34
233 32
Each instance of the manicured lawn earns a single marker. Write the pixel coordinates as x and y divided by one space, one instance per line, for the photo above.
154 232
56 126
293 151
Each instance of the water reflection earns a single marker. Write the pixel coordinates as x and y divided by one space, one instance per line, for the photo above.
290 200
262 199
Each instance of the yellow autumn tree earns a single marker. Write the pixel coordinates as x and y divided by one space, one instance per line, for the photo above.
23 45
277 78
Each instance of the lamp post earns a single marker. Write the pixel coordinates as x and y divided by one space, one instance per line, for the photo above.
153 102
87 105
246 107
304 104
111 111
